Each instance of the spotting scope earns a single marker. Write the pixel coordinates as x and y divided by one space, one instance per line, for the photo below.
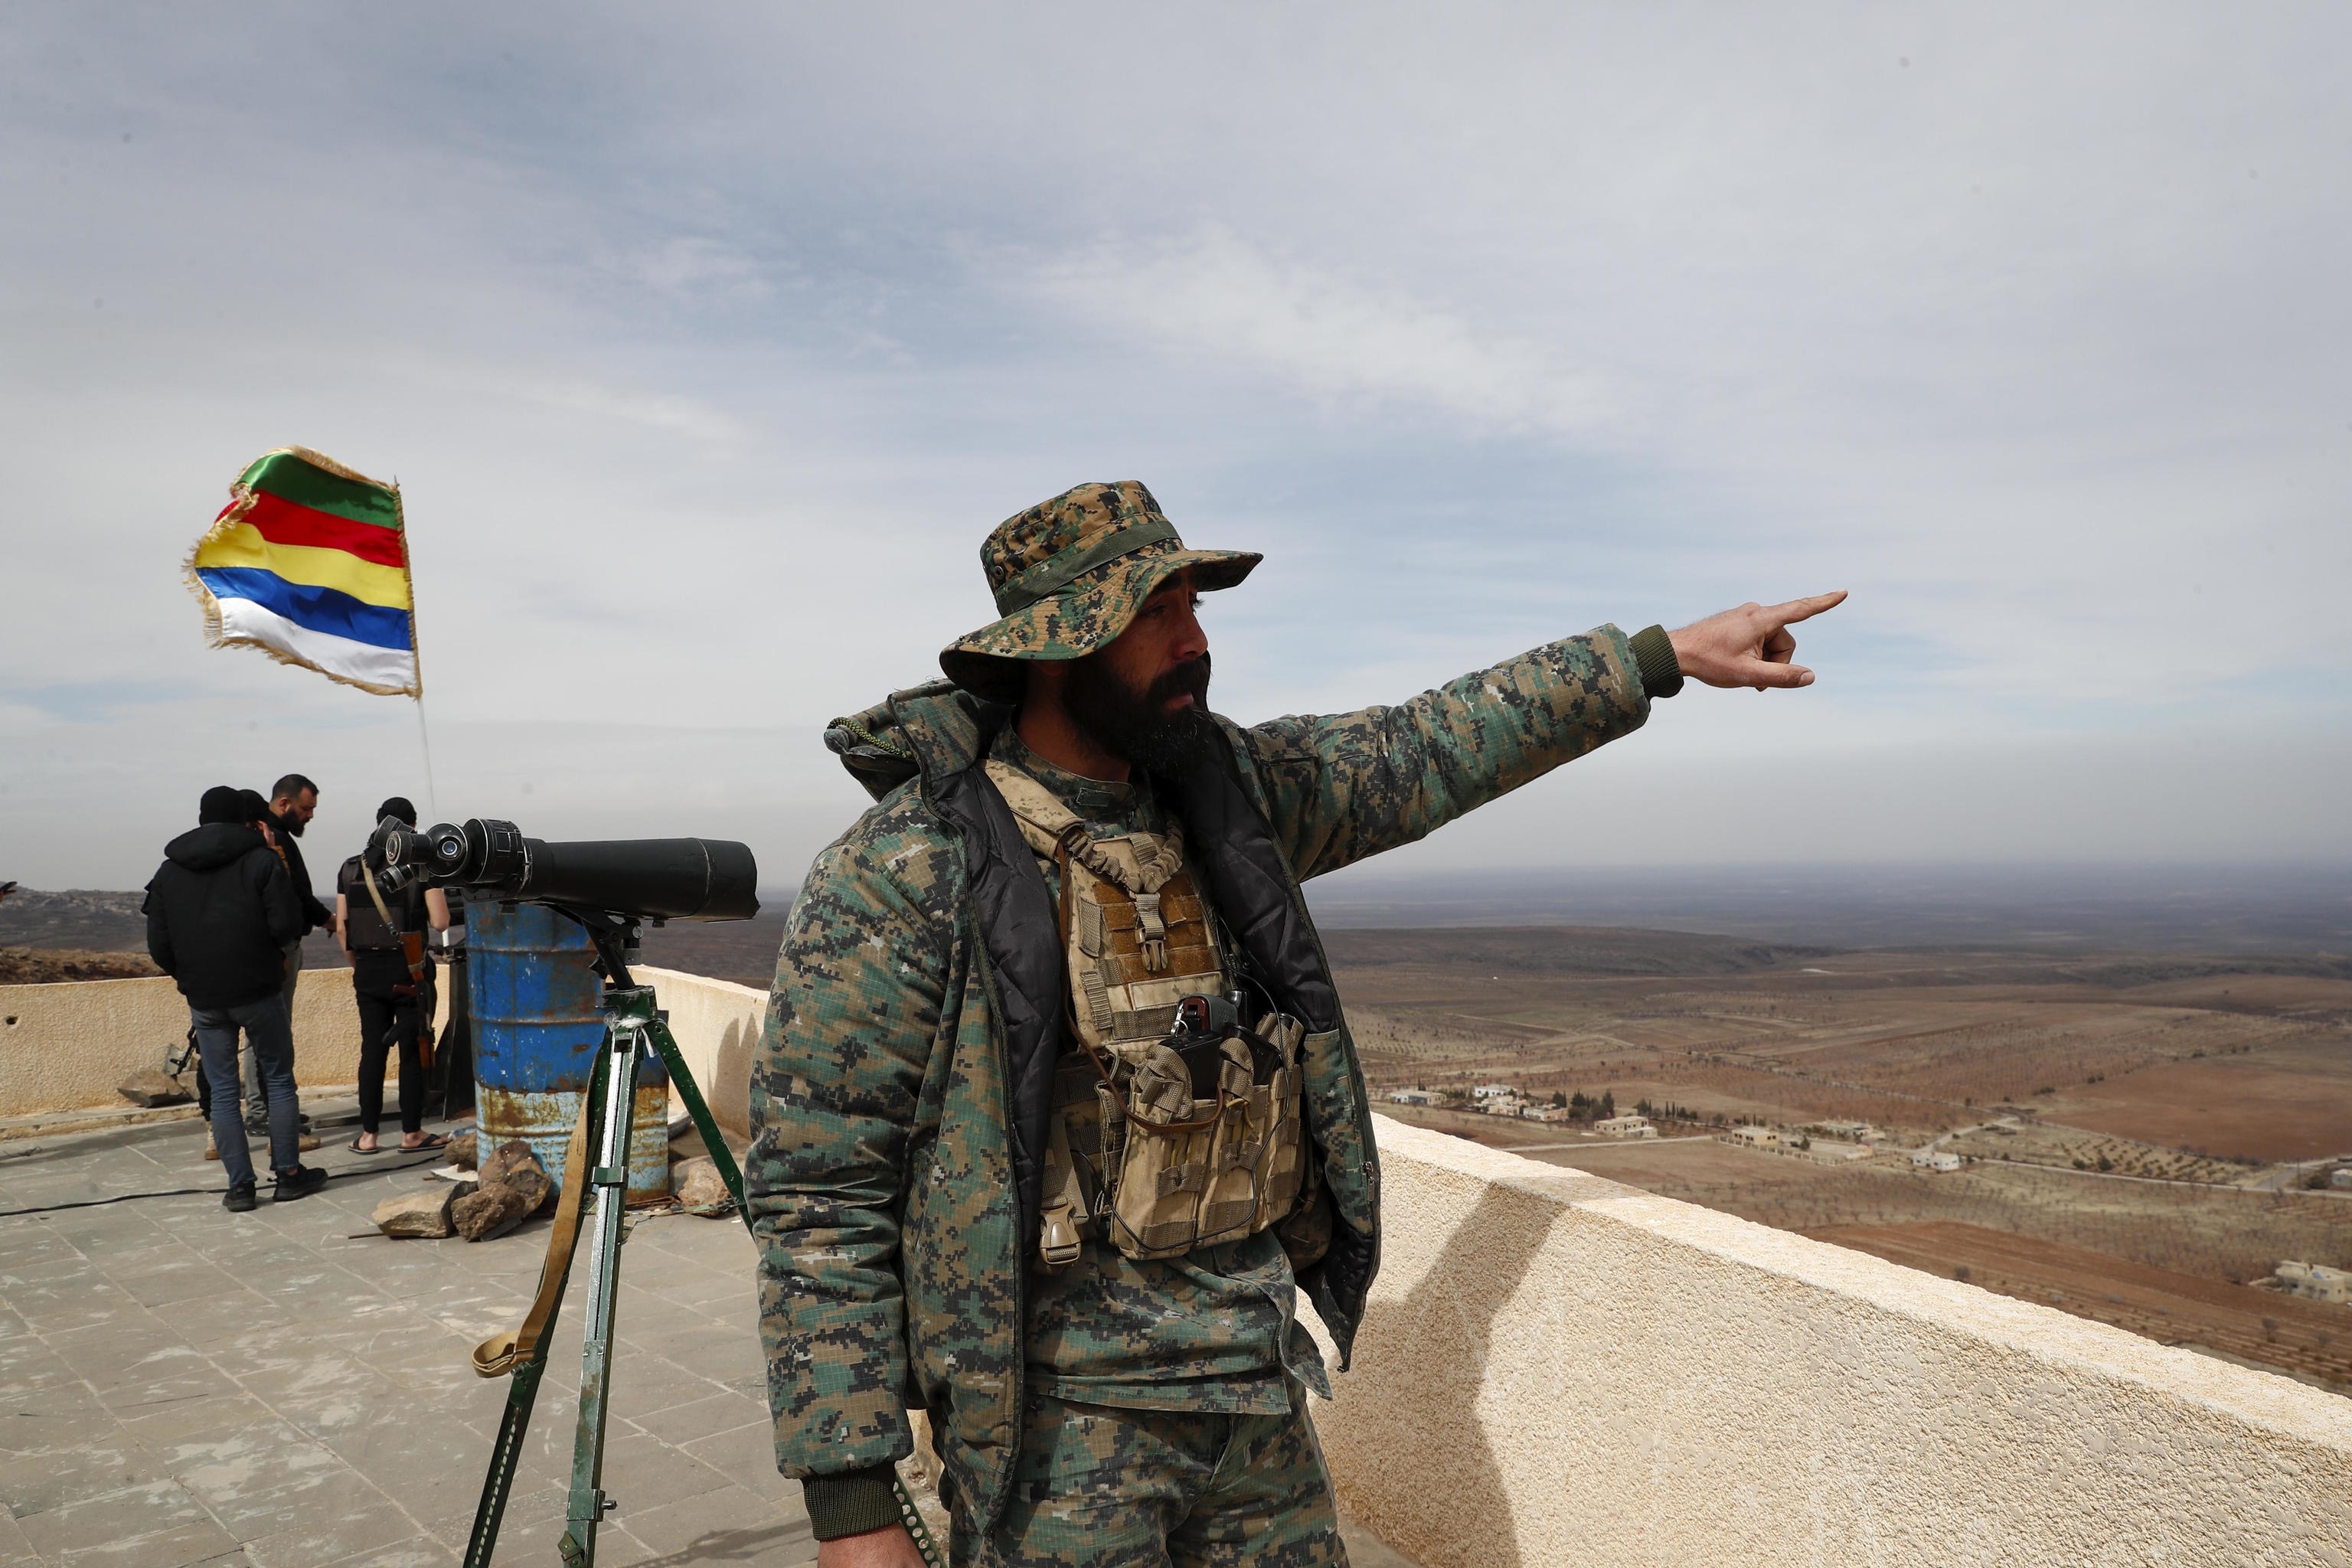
650 878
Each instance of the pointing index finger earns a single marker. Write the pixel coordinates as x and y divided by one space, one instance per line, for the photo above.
1796 610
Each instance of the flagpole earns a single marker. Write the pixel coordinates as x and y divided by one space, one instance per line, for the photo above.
416 652
432 799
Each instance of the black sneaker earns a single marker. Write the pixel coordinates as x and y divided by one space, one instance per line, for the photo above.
298 1183
239 1198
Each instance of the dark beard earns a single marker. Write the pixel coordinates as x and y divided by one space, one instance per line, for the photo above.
289 823
1131 727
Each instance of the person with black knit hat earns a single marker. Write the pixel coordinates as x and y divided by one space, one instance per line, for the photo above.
219 911
382 930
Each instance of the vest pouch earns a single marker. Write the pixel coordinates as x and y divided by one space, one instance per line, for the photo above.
1274 1115
1163 1172
1237 1158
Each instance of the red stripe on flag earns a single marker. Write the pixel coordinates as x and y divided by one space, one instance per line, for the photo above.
283 521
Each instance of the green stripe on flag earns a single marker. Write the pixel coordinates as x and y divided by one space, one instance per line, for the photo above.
283 475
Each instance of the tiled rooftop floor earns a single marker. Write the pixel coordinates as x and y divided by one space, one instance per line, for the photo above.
179 1385
182 1386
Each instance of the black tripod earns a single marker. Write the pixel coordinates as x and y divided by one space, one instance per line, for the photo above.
595 1177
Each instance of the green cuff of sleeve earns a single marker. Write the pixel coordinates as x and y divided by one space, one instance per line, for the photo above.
1654 655
851 1503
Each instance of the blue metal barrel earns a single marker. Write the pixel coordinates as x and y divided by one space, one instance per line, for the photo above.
533 989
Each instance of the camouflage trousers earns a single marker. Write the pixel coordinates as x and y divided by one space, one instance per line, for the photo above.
1102 1487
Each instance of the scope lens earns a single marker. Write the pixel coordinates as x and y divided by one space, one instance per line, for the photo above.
449 850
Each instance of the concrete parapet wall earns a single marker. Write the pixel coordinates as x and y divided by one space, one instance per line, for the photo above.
66 1047
717 1025
1559 1370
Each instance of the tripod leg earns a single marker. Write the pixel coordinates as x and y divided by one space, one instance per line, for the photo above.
505 1455
683 1082
522 1393
608 1195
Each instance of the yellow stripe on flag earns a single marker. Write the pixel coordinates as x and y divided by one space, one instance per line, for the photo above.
241 544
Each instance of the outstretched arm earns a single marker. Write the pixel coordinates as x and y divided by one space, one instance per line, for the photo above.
1344 786
1341 788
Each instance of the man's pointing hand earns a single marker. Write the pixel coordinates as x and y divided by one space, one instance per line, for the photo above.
1750 646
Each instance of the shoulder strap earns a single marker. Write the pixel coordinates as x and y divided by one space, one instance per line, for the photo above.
1043 820
1053 830
376 896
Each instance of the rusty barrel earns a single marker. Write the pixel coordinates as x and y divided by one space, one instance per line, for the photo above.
533 989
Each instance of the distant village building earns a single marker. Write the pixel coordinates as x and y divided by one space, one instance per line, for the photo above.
1629 1125
1935 1159
1551 1113
2341 1178
1851 1131
2316 1281
1503 1105
1751 1136
1412 1097
1493 1091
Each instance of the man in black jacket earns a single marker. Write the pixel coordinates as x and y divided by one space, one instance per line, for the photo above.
219 911
293 801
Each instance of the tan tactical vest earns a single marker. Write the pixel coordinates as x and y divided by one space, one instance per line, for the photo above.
1168 1144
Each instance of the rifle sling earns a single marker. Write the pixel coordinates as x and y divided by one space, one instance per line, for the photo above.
499 1354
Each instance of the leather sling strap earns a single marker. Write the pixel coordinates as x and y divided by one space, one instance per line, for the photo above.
375 896
500 1354
416 964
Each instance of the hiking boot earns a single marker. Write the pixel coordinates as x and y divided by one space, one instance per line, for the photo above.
212 1146
298 1183
239 1198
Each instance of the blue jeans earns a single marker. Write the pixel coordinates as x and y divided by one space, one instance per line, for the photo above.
269 1037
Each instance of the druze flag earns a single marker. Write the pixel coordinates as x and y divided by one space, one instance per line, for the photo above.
309 563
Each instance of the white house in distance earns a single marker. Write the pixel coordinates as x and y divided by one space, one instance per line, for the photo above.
1936 1159
1748 1135
1493 1092
2315 1280
1629 1125
1412 1097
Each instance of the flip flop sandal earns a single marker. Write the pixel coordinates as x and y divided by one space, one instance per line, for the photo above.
354 1146
432 1141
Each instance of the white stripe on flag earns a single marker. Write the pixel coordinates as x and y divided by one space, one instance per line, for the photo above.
242 619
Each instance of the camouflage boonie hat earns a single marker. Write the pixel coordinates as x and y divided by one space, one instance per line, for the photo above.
1068 574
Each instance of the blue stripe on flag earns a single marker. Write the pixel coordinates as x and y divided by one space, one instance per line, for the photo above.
325 610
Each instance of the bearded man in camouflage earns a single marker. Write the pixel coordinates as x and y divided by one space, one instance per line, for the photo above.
1056 1111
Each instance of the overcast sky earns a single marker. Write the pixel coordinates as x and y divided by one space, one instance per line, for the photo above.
706 351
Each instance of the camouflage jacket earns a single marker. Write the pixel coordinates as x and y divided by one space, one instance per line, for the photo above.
880 1181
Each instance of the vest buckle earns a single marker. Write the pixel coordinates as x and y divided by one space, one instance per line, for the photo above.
1057 1239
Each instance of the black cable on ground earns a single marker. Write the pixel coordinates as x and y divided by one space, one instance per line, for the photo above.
437 1156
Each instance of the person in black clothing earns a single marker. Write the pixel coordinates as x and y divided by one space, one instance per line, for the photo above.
253 812
384 936
293 801
219 910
